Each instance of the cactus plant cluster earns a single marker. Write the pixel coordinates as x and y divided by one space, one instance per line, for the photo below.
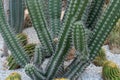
14 76
80 17
110 71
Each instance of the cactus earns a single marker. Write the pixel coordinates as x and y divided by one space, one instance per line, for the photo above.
22 38
29 48
114 38
12 64
110 71
57 36
14 76
101 58
16 15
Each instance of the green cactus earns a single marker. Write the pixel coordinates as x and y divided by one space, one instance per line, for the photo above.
110 71
14 76
16 15
22 38
12 64
57 36
114 38
30 49
101 58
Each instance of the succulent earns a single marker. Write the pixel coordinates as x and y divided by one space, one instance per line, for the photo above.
101 58
22 38
114 38
30 49
69 32
110 71
14 76
12 64
16 15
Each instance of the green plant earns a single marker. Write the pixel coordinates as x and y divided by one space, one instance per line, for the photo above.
22 38
16 15
14 76
11 61
12 64
70 31
100 58
110 71
114 37
29 49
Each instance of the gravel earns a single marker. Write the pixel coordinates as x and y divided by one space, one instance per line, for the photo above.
91 73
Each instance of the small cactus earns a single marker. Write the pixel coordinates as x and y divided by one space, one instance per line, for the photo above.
101 58
12 63
114 38
110 71
22 38
14 76
30 49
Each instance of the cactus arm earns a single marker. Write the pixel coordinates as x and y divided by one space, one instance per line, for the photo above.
38 56
78 68
81 9
93 12
103 28
80 41
11 40
44 5
34 73
57 60
40 25
54 8
60 71
16 16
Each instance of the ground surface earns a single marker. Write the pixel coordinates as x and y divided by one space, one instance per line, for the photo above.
91 73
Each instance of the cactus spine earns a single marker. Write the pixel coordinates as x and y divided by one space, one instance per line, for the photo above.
72 33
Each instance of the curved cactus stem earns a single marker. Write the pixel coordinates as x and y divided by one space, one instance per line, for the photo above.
77 68
44 5
93 13
16 17
80 41
34 73
54 8
103 27
10 39
40 25
60 71
38 56
57 60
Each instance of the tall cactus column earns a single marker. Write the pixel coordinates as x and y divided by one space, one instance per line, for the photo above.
16 17
10 39
6 9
